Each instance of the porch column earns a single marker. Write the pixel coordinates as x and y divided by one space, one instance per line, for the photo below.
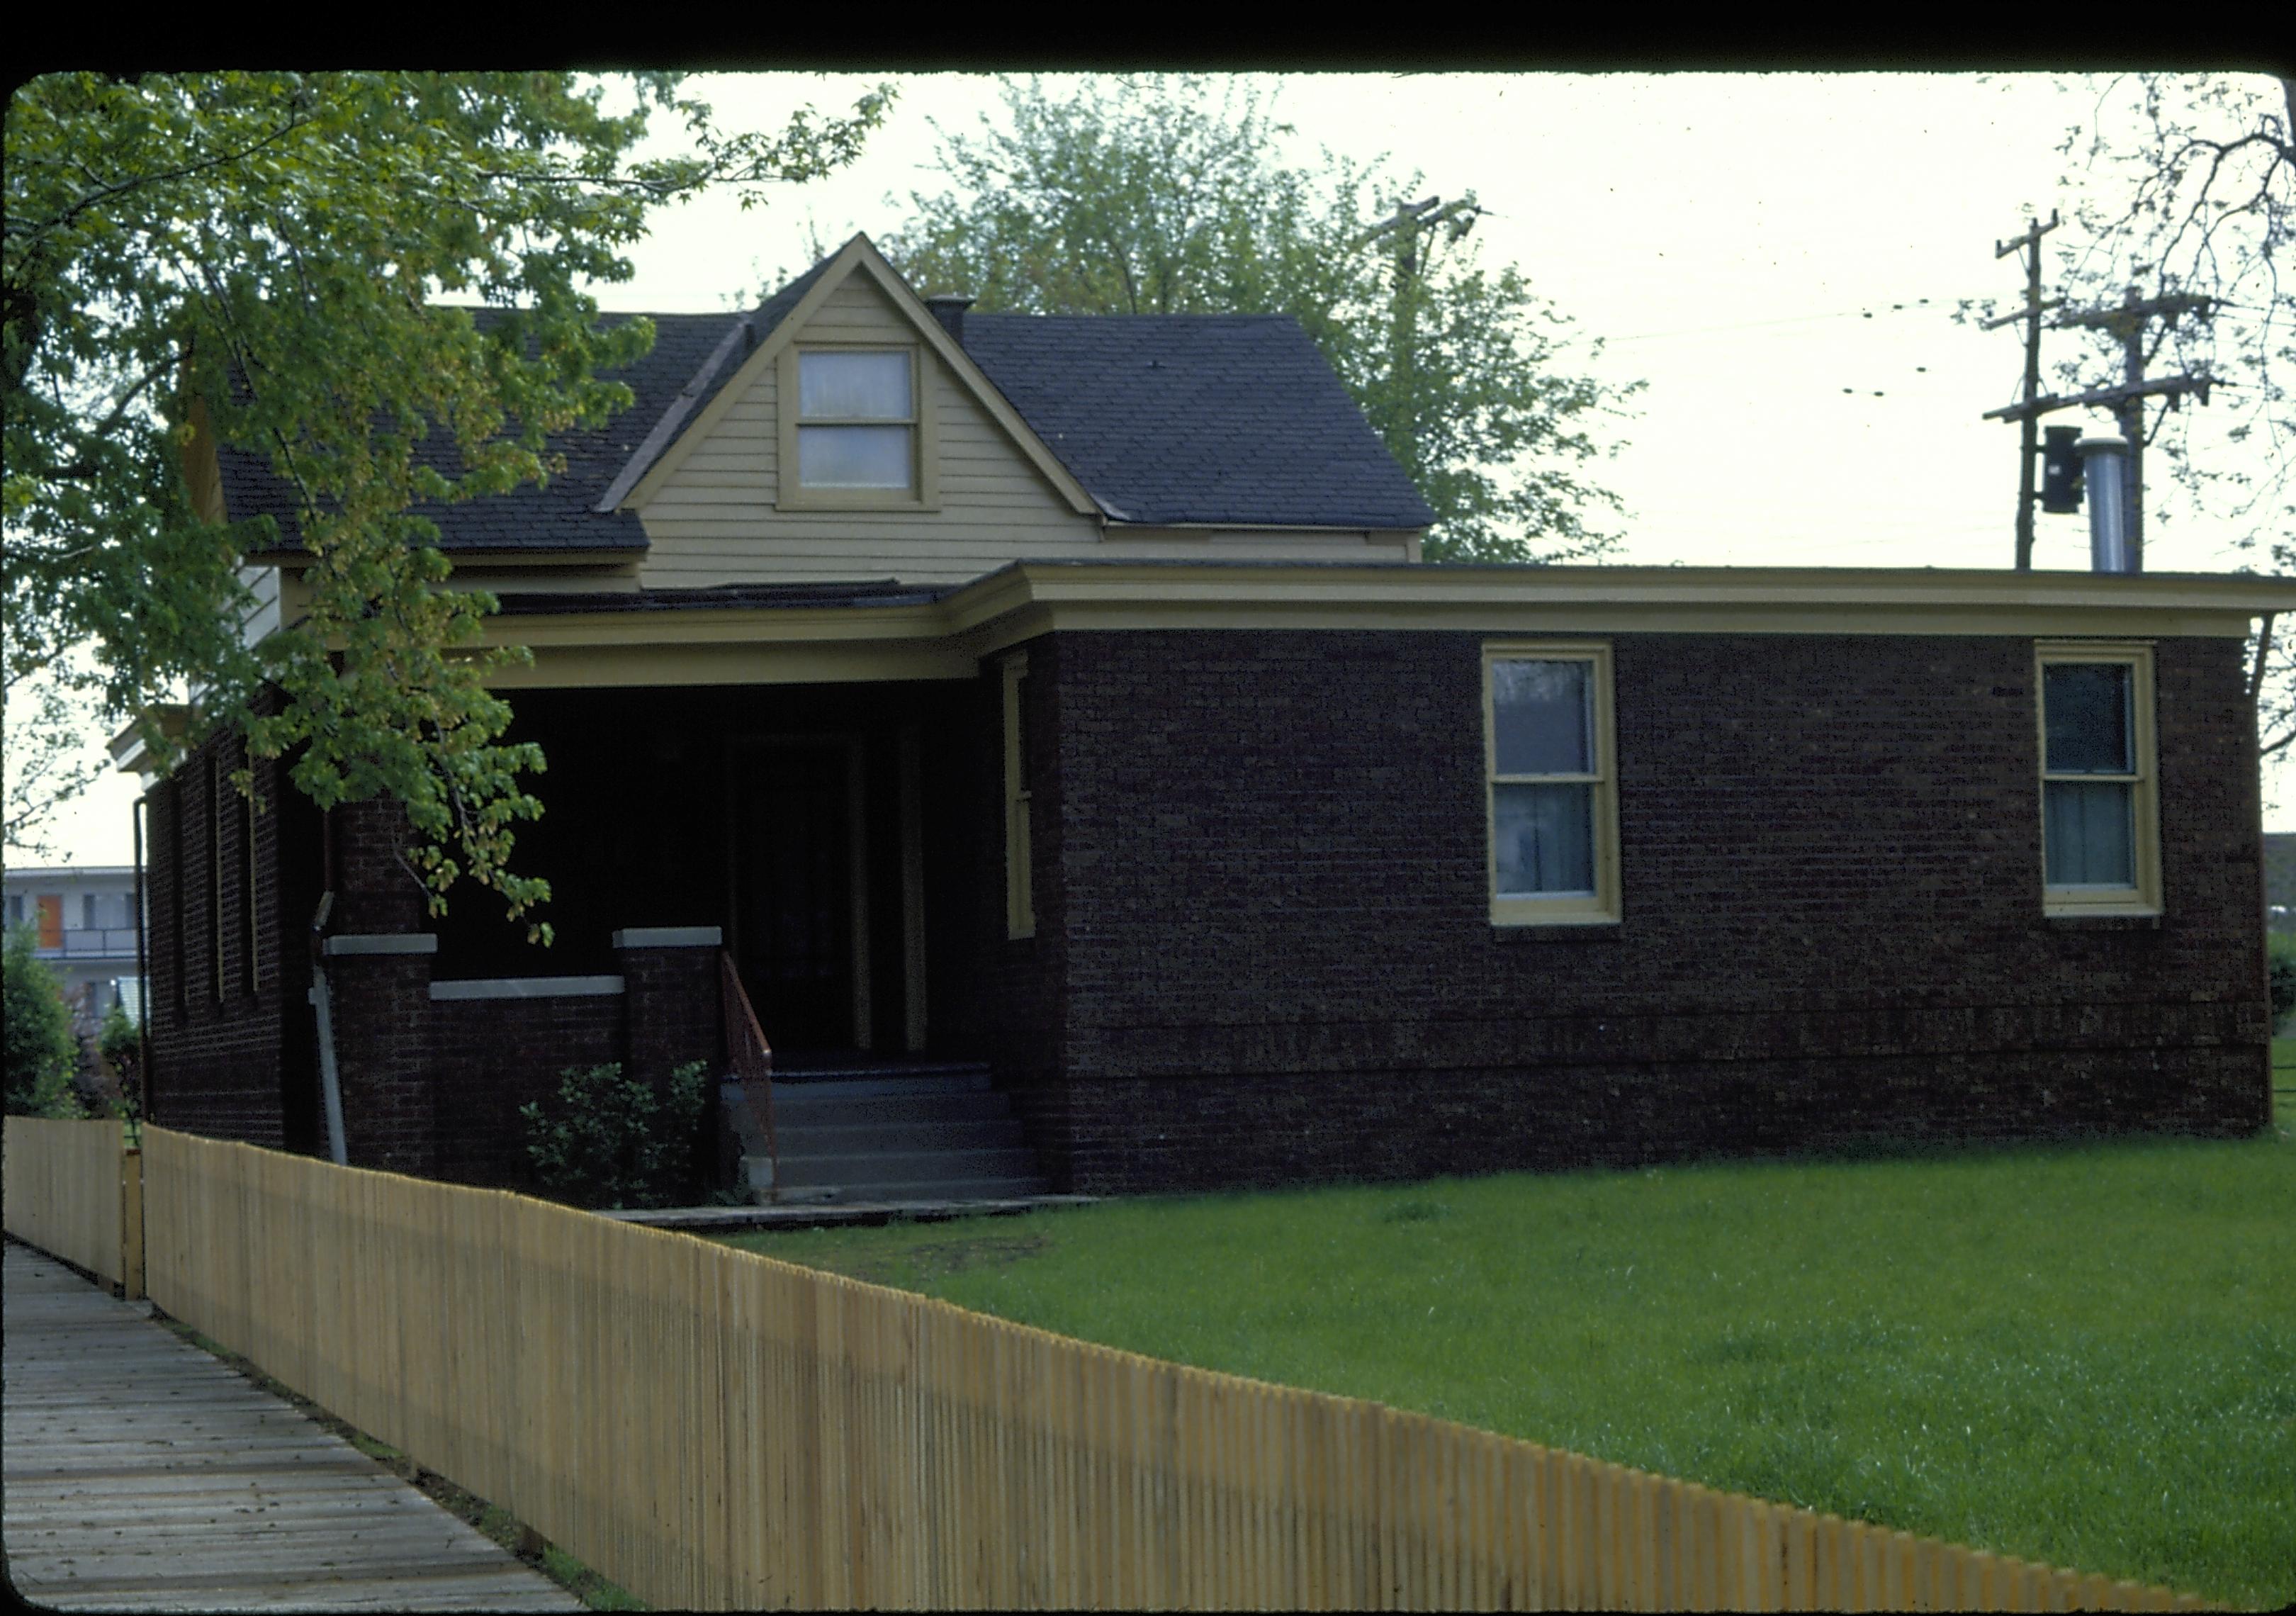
378 964
670 1012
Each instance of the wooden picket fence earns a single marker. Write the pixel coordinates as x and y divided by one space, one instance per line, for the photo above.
715 1429
75 1189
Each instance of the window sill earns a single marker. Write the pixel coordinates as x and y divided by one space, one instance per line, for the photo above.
1556 930
2102 919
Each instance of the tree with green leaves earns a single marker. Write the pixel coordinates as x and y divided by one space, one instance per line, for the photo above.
1155 196
275 258
42 1053
2188 200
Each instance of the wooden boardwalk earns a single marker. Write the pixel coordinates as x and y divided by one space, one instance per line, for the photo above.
141 1474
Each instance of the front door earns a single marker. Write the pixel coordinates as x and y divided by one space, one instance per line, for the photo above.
800 902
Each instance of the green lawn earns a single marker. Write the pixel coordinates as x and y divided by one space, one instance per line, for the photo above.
2085 1355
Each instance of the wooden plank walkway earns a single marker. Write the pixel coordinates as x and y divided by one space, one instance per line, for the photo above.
141 1474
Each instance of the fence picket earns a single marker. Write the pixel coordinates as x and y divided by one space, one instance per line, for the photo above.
714 1429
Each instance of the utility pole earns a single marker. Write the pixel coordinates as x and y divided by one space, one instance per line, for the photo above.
1456 217
2031 314
2128 321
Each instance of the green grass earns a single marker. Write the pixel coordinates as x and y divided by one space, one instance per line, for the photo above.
2080 1354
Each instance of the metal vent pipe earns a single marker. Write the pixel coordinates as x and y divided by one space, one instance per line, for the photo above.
2104 472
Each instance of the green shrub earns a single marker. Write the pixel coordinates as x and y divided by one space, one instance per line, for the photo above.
610 1140
42 1054
2282 949
120 1042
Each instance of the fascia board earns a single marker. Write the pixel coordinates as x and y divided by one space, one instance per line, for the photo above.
861 253
976 381
703 424
1019 602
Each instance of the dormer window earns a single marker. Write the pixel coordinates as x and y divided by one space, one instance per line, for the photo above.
856 428
856 420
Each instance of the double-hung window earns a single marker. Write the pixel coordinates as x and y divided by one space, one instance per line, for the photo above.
2100 839
856 432
1551 785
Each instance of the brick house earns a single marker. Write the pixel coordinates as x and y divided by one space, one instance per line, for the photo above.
1064 697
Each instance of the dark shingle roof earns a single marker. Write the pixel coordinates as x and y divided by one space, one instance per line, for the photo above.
1163 418
1197 418
557 516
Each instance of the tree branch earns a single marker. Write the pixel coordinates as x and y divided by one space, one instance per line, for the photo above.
30 233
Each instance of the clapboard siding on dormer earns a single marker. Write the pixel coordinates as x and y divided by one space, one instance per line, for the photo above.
714 521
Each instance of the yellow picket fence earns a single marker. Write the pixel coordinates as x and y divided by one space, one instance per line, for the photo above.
715 1429
74 1189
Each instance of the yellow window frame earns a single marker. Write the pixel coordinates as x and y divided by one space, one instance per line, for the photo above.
2144 897
923 492
1602 906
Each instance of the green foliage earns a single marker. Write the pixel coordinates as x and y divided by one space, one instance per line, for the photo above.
2281 953
1151 197
2084 1355
42 1054
610 1140
2189 187
256 255
120 1042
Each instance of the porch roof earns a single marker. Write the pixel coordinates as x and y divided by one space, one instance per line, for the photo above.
744 634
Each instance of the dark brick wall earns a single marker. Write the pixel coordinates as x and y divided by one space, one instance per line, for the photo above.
487 1057
227 960
1263 952
1278 964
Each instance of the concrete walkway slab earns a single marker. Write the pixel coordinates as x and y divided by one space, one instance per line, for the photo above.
142 1474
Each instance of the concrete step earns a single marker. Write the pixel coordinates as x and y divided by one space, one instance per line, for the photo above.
880 1080
795 1109
878 1167
806 1136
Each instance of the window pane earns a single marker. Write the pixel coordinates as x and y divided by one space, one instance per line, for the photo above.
853 387
1545 839
2091 833
2084 707
853 456
1544 713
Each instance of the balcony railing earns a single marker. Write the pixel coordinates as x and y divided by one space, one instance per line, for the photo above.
93 942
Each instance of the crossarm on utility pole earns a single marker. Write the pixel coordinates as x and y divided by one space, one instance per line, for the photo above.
2107 397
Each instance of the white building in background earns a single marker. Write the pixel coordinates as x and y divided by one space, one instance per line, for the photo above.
83 919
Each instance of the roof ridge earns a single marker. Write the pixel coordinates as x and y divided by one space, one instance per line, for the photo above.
757 324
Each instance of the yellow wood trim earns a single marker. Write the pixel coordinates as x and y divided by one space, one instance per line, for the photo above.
202 471
767 663
745 375
924 492
2145 898
1603 906
976 381
862 254
1019 849
913 888
947 638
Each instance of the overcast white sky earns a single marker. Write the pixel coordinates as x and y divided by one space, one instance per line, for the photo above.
1777 256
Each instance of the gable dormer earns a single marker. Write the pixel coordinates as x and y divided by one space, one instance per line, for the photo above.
852 439
854 435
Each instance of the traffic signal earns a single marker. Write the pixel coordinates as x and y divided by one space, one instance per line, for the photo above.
2061 470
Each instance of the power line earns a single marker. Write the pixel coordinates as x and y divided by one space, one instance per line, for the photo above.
1916 305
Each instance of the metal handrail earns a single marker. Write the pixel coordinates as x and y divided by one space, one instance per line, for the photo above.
752 1057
